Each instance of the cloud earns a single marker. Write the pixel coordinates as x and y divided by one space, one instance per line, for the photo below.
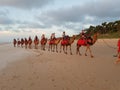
4 12
5 20
72 18
90 13
4 17
25 4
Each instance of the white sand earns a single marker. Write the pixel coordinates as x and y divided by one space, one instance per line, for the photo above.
23 69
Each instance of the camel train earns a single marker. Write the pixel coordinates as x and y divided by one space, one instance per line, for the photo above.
64 42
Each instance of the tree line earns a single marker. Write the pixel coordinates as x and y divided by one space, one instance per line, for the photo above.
106 28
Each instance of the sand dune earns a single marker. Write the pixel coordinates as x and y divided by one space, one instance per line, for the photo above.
31 69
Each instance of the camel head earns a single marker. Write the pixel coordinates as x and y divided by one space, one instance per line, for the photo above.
95 37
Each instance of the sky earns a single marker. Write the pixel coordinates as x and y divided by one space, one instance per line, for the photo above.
24 18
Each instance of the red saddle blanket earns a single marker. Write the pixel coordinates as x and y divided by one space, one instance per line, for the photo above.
82 42
64 42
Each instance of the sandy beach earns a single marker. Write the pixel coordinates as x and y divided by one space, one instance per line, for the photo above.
34 69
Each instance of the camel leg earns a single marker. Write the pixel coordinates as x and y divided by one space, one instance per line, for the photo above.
29 46
43 47
60 48
56 49
25 46
53 47
49 47
70 50
78 50
36 47
14 45
86 51
65 49
88 48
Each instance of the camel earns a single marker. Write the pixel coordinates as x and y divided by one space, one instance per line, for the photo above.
36 42
22 42
30 42
67 42
26 43
87 43
14 42
18 42
43 42
53 44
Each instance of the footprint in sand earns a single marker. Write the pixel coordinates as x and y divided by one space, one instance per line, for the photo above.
53 80
32 84
14 77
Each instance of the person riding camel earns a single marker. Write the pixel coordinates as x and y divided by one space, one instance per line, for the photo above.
85 38
82 39
83 35
52 38
118 44
65 37
43 37
29 38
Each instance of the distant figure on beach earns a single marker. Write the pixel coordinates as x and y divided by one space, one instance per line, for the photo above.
30 42
118 55
18 42
43 36
14 42
36 42
43 41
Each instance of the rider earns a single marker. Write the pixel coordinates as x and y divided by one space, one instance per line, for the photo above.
52 38
43 36
83 35
63 35
65 38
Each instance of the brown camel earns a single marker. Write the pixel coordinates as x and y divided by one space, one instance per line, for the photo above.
14 42
87 43
36 42
53 44
67 42
22 42
26 43
43 42
30 42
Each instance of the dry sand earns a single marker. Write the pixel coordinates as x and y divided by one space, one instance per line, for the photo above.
30 69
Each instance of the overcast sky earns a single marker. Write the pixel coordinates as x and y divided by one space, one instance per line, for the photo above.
23 18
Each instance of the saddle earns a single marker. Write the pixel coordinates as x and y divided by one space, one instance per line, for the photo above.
82 42
65 40
52 41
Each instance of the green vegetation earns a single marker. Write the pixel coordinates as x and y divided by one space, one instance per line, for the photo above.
106 30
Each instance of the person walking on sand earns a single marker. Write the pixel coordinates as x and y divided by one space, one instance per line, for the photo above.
118 55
